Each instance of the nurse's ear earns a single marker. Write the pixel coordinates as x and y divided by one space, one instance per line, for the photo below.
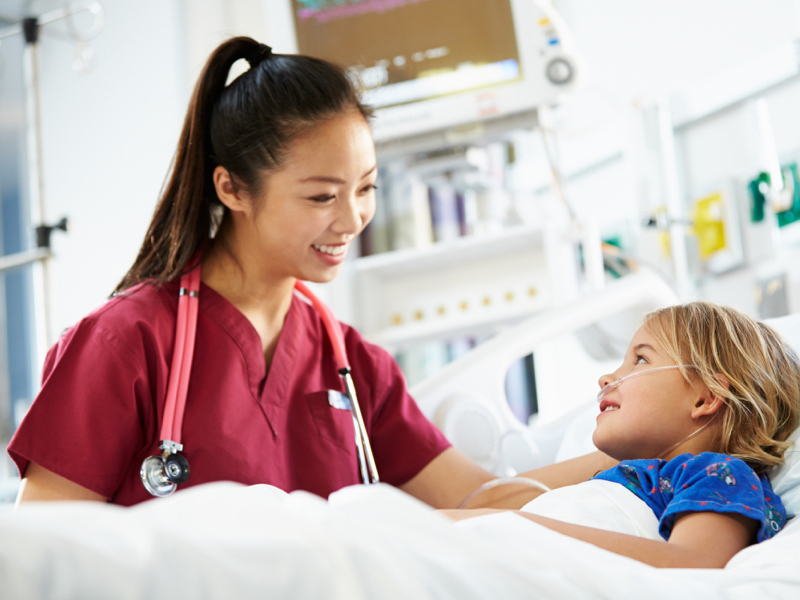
228 192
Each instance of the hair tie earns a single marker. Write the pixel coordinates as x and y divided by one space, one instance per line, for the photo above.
258 54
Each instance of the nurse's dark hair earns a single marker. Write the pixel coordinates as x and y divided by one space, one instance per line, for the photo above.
246 127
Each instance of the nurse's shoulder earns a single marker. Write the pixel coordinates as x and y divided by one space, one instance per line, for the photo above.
132 320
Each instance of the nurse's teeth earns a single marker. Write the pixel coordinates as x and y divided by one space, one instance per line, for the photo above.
611 408
332 250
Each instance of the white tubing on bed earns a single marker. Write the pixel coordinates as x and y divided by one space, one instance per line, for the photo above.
534 483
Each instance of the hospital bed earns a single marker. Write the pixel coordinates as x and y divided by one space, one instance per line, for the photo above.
224 540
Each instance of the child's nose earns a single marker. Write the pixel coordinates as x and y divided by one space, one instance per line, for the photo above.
605 380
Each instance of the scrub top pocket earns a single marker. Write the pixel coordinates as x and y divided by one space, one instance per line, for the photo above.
331 413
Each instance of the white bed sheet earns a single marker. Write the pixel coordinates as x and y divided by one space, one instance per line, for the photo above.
224 540
227 541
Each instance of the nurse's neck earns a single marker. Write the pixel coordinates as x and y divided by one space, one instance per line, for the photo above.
262 297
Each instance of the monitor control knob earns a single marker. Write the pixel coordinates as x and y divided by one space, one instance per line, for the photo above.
560 71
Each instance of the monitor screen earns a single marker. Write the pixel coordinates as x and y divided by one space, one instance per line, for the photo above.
431 67
472 44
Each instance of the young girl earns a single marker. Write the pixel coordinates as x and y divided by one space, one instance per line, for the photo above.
697 414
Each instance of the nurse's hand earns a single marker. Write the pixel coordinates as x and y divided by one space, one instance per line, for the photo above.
40 484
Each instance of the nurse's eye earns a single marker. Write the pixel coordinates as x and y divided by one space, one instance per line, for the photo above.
323 198
369 188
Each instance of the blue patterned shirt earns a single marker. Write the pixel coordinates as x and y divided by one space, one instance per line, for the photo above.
699 483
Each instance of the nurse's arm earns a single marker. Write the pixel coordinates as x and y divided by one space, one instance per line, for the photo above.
40 484
451 477
447 480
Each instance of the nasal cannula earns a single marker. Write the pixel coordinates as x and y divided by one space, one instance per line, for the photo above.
615 384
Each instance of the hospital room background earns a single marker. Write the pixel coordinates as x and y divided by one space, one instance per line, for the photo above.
600 140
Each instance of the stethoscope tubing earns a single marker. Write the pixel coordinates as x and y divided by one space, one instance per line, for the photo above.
182 356
161 474
369 471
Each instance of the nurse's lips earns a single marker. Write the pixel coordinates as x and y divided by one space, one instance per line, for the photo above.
331 253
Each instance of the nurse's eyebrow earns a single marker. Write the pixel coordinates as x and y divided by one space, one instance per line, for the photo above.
325 179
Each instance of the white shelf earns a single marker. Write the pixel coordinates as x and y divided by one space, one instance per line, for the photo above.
444 253
468 286
432 329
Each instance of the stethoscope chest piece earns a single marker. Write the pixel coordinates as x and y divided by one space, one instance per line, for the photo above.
161 474
154 477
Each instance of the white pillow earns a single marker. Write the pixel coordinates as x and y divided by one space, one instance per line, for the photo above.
786 478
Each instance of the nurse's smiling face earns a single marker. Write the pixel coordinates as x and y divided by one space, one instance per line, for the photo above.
301 223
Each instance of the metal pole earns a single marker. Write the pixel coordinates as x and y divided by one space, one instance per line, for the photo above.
9 262
30 27
36 204
674 200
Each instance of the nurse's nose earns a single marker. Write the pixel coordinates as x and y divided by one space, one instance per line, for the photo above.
350 218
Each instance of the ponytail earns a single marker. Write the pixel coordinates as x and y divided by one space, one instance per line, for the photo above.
245 127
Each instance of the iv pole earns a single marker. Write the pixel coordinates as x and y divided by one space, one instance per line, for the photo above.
39 258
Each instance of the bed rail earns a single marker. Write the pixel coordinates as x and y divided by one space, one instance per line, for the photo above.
467 400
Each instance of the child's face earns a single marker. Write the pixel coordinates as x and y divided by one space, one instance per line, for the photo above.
648 413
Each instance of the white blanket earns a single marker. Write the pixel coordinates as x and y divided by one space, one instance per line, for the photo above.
598 503
228 541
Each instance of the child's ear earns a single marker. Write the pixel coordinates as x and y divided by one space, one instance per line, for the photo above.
227 191
709 404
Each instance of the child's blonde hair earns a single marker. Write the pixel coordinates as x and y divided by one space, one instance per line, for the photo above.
763 372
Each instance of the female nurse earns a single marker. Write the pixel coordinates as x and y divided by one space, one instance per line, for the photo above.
273 178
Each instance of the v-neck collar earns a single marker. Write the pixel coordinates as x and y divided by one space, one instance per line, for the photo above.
268 388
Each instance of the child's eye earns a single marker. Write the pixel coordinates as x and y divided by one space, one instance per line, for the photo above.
640 360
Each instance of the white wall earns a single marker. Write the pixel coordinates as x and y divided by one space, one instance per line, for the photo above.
635 52
107 141
109 136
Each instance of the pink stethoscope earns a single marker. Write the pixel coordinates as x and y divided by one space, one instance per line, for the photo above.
162 473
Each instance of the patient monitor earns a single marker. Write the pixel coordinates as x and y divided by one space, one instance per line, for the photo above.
446 66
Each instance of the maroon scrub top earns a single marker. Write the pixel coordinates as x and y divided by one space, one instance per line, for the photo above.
98 414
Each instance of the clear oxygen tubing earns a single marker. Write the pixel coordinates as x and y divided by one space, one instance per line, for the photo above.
615 384
504 481
688 437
